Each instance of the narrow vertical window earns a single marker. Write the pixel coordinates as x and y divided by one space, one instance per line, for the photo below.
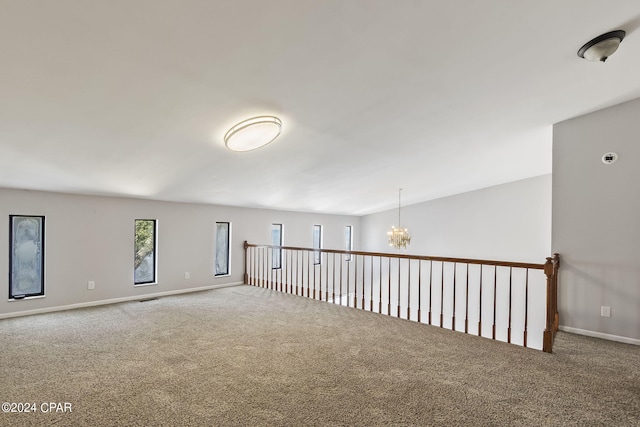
317 243
144 271
223 233
276 240
348 241
26 256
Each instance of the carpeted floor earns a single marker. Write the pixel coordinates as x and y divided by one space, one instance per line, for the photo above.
246 356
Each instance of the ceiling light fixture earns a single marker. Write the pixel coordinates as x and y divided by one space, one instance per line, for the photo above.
602 47
253 133
399 237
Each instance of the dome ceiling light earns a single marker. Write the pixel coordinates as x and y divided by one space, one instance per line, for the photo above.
602 47
253 133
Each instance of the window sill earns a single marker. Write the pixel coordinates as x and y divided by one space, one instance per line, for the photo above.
26 298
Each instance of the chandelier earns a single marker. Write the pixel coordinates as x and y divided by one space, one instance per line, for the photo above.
399 237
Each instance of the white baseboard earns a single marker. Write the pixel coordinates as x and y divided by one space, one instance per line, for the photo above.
114 300
602 335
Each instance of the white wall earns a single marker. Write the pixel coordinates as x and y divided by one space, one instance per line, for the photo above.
596 221
510 222
91 238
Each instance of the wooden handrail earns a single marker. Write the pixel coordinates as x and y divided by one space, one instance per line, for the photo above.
407 256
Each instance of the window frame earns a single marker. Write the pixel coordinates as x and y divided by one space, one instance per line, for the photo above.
227 251
317 245
348 240
154 280
276 254
39 240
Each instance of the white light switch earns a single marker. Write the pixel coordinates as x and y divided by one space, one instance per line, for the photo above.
186 275
605 311
91 285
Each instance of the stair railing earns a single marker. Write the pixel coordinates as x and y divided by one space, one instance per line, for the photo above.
501 300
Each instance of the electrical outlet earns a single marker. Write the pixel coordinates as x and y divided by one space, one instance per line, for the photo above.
91 285
605 311
187 275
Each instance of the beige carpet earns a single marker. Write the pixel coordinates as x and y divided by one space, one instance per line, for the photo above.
246 356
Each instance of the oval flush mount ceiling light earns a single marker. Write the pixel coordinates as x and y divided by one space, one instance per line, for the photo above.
253 133
602 47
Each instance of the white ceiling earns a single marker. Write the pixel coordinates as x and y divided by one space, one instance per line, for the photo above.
132 97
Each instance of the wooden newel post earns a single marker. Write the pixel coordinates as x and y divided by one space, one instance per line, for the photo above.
551 271
246 276
556 267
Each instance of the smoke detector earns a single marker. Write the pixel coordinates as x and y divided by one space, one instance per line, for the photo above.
609 158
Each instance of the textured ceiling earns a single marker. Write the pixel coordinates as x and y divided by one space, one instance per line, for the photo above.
437 97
